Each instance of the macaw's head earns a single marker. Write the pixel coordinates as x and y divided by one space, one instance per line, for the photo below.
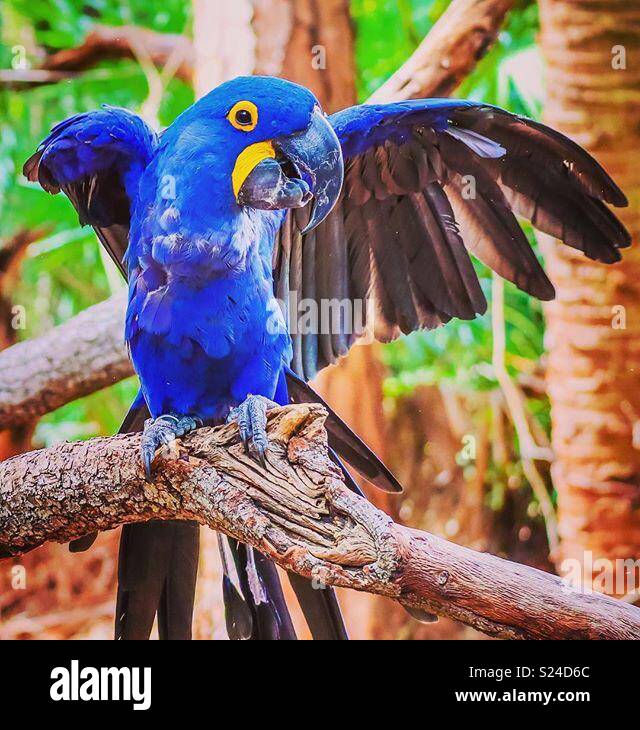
273 146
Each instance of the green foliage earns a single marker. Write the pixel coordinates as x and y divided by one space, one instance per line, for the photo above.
388 31
65 23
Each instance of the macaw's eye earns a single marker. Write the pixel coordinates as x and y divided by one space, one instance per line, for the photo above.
244 116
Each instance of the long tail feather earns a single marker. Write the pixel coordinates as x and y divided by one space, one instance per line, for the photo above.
262 593
237 613
157 570
320 608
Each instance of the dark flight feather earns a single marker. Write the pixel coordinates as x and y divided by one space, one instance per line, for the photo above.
407 222
487 223
321 609
157 569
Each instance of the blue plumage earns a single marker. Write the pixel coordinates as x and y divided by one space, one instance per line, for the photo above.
202 344
205 216
361 127
203 325
109 139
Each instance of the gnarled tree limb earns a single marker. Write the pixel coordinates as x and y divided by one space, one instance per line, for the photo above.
299 512
121 42
107 42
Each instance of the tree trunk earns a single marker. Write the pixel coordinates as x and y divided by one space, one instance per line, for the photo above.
309 42
593 95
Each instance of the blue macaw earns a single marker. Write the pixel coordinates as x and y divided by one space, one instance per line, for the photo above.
254 194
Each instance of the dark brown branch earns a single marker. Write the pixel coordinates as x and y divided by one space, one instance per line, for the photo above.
12 252
298 511
106 42
83 355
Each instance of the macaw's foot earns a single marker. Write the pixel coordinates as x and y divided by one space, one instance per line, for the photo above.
162 431
251 417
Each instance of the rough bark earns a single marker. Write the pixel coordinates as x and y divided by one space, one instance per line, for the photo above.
83 355
594 357
298 511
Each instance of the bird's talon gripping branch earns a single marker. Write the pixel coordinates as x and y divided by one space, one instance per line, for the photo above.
162 431
251 417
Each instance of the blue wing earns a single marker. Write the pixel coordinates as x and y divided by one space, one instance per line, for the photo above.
96 159
426 180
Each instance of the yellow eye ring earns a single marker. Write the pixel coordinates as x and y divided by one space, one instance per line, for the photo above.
244 116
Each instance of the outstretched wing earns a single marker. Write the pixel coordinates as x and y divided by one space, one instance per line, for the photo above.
96 159
425 182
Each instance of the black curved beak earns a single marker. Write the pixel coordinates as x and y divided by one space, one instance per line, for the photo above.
309 165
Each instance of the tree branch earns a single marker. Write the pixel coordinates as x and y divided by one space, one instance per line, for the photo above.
106 42
121 42
77 358
299 512
461 37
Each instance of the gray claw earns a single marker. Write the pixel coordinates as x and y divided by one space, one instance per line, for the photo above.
148 452
260 452
251 418
161 432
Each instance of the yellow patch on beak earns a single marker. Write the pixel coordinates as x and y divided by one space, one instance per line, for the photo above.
247 160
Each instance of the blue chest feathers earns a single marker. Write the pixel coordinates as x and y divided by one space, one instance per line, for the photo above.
203 325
